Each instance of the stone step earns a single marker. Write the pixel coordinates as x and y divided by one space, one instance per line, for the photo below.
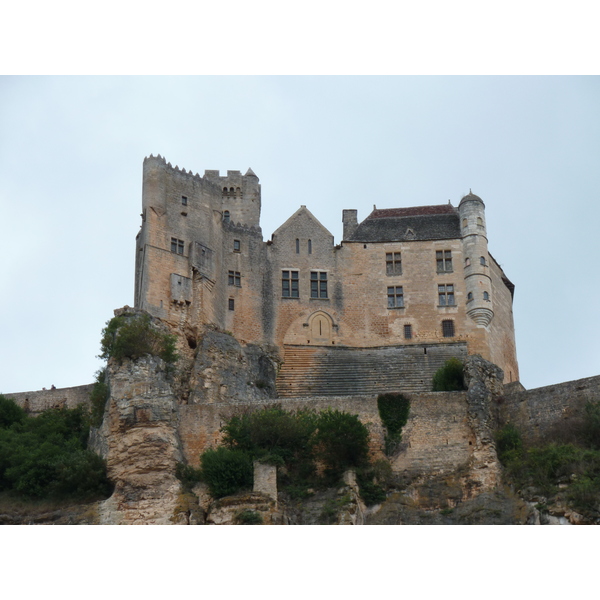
326 371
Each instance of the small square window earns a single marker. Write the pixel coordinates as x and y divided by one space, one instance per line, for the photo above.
184 200
236 245
448 328
177 246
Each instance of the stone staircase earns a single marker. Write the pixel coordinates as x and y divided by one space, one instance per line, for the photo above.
343 371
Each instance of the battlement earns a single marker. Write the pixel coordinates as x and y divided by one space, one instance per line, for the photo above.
212 175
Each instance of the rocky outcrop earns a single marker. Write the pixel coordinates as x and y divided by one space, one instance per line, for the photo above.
139 440
484 384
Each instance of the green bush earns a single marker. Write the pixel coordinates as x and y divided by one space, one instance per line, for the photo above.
508 443
271 434
393 411
134 337
226 471
46 457
591 425
584 495
341 441
98 398
188 475
10 412
248 517
450 377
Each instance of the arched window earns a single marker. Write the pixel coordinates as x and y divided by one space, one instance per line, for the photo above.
226 216
224 191
469 296
467 262
232 192
482 260
238 192
486 296
465 223
479 222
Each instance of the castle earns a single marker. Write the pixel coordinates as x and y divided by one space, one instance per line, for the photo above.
406 286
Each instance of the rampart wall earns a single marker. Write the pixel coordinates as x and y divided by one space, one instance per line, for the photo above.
437 437
40 400
536 413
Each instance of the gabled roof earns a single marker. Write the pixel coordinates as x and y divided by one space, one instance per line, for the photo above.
300 213
438 222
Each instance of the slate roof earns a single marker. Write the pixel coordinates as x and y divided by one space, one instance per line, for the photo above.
439 222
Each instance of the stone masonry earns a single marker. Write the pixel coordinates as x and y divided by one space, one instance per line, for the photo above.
401 277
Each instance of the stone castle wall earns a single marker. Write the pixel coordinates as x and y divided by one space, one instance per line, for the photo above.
437 437
38 401
538 412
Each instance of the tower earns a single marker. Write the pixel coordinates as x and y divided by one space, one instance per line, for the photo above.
478 280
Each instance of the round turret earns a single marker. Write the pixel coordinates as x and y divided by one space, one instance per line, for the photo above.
471 210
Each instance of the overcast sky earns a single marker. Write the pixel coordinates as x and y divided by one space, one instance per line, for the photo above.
71 151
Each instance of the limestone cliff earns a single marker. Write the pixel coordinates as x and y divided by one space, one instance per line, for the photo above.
157 416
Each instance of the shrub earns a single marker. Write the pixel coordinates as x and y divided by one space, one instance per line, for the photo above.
508 443
584 494
450 377
272 434
226 471
188 475
98 398
46 457
393 411
134 337
341 441
10 412
591 425
248 517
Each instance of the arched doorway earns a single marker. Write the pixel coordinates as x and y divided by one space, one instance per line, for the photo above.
320 326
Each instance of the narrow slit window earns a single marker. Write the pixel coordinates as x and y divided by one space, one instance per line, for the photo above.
184 200
231 304
310 246
297 246
226 216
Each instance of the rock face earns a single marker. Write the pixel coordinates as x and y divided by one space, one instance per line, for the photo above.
138 438
156 417
484 383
